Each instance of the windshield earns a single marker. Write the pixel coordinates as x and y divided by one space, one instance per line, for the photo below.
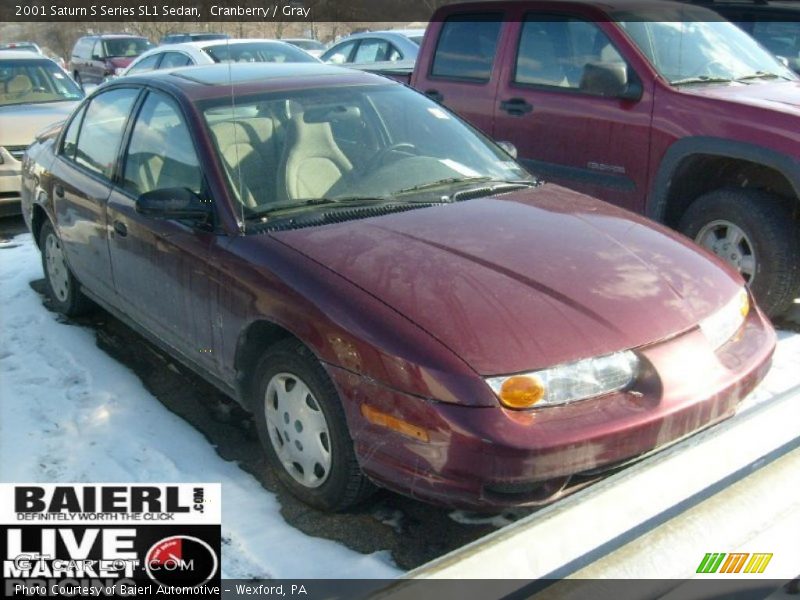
35 81
307 44
258 52
695 51
356 143
125 47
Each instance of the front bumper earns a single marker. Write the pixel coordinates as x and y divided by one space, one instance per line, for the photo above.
490 457
10 183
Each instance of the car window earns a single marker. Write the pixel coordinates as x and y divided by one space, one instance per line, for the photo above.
161 154
146 64
374 50
779 37
70 142
340 54
125 47
97 50
556 51
467 46
175 59
101 132
258 52
35 81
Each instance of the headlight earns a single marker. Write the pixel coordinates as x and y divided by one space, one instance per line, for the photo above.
566 383
723 324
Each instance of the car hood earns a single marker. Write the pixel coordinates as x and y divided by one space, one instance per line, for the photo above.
526 280
783 96
19 124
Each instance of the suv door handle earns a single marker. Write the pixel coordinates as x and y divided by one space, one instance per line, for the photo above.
516 106
121 228
434 95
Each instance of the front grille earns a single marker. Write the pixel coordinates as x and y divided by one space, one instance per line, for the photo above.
16 151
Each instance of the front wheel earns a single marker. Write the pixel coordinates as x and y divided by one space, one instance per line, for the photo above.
62 287
754 232
302 428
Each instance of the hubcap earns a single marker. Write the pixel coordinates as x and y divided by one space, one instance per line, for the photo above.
298 430
57 272
731 244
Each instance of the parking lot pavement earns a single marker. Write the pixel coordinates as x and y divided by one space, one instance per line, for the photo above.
71 410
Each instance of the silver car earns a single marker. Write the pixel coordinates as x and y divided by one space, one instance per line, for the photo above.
34 93
370 47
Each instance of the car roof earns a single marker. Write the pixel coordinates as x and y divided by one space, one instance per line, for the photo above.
114 36
214 81
205 43
21 54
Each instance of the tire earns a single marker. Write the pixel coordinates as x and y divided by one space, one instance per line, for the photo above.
768 253
297 424
63 289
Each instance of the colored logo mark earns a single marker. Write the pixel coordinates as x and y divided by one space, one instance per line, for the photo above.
735 562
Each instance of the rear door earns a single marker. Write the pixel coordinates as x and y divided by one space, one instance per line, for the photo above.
462 69
160 266
566 127
82 176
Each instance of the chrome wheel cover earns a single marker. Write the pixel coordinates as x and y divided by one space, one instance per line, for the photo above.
298 430
57 272
729 241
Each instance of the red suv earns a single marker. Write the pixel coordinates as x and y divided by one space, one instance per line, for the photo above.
96 57
663 108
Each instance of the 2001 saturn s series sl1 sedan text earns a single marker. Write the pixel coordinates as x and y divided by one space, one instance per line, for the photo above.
389 293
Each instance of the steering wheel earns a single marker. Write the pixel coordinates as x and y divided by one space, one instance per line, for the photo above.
379 159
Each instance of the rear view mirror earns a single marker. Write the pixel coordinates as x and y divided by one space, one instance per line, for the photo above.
174 203
509 149
610 80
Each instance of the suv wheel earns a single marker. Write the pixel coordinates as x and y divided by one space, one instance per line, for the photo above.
302 428
62 287
754 232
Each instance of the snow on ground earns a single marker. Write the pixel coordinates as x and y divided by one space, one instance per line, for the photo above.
71 413
62 399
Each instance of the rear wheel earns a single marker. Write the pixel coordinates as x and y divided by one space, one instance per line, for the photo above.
62 287
302 428
754 232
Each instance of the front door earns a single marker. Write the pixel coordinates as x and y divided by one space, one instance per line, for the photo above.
161 270
566 128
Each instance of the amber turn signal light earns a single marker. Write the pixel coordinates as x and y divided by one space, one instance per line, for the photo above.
521 391
376 417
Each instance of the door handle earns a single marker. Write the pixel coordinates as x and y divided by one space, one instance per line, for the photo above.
434 95
121 228
58 190
516 106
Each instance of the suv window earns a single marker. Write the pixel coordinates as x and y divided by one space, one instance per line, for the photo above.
146 64
373 50
555 51
83 48
467 45
174 59
101 133
98 50
161 153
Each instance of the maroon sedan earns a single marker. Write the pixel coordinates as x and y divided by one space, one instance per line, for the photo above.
392 296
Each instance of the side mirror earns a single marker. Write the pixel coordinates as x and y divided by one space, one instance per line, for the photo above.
174 203
610 80
96 57
509 149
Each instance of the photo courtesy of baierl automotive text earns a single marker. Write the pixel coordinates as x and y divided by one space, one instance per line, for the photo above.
430 299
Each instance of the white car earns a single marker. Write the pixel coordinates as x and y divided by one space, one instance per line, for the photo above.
208 52
34 94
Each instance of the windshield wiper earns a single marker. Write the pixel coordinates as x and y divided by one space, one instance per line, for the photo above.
301 203
761 75
701 79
